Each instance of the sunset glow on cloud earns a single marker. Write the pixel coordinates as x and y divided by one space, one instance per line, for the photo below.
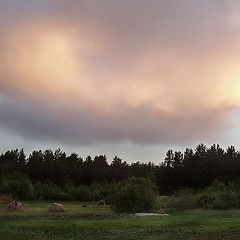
147 72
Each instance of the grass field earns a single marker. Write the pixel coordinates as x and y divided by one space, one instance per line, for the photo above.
38 209
100 223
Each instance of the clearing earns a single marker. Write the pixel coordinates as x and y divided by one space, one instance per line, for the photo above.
94 222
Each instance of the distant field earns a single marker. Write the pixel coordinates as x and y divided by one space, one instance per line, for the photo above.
100 223
34 208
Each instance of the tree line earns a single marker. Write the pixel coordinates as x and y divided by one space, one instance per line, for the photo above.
193 168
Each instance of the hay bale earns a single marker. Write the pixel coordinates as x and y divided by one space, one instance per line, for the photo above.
101 203
15 207
56 207
5 199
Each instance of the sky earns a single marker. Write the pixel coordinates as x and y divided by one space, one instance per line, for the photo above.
131 78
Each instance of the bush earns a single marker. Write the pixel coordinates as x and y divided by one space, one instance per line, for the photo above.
50 192
181 203
184 192
217 196
217 200
216 186
83 193
37 191
234 186
134 195
100 191
183 199
18 185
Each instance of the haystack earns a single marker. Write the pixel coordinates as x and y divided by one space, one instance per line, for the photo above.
101 203
6 199
15 207
56 207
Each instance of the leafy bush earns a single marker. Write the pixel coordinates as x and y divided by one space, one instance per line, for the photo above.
216 196
181 203
18 185
217 200
37 191
216 186
83 193
184 192
50 191
100 191
134 195
234 186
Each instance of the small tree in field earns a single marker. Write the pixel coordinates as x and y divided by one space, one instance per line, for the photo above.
134 195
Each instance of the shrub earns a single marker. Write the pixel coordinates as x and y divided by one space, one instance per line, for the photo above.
181 203
134 195
234 186
184 192
218 196
216 186
37 191
100 191
217 200
18 185
82 193
50 191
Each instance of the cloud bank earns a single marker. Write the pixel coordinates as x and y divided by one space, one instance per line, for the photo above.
87 72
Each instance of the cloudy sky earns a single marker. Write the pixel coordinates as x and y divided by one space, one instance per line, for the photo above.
131 78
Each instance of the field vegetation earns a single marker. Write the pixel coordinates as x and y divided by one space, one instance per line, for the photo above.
101 223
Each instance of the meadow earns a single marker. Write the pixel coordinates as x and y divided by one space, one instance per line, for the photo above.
101 223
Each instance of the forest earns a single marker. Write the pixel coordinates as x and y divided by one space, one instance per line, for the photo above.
53 171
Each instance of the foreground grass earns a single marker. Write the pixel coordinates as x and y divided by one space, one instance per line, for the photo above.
191 225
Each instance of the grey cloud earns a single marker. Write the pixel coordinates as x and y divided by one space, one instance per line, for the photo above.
140 125
189 28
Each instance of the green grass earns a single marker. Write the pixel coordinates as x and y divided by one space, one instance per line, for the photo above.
101 224
40 209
